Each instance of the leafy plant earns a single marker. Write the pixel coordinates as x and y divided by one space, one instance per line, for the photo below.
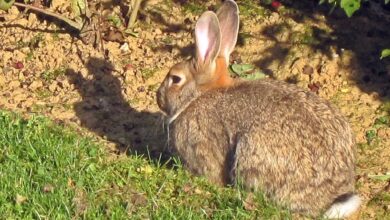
384 177
79 7
385 52
380 122
115 20
349 6
370 136
246 71
50 75
6 4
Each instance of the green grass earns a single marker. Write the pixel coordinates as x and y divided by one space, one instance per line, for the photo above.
193 7
50 75
43 93
252 8
48 171
148 73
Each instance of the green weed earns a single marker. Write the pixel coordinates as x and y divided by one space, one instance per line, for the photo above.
252 8
50 75
115 20
148 72
43 93
193 7
306 37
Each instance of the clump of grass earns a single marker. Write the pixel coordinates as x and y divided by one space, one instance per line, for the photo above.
386 107
305 37
115 20
252 8
33 43
153 87
168 40
372 134
43 93
193 7
379 203
56 36
50 75
148 72
48 171
38 108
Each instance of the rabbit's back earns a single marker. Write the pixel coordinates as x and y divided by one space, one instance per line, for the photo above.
271 136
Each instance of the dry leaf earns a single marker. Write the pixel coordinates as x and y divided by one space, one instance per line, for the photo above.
187 188
20 199
198 191
114 35
249 203
48 188
70 183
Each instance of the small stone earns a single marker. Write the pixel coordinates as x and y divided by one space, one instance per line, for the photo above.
124 48
2 80
48 188
14 84
35 85
345 90
308 70
53 87
18 65
32 19
158 31
384 133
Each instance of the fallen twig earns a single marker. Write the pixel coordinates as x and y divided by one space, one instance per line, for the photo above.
134 11
71 23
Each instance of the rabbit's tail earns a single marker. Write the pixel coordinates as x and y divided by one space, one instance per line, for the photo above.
343 207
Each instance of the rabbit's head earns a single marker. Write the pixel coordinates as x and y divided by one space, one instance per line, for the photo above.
215 37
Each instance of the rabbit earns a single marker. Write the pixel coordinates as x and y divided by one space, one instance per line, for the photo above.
265 134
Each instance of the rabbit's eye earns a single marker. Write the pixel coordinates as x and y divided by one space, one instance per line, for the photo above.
175 79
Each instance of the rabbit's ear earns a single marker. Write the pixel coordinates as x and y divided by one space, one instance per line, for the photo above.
208 41
228 16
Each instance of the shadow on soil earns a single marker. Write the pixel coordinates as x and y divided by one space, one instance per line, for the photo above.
104 111
365 34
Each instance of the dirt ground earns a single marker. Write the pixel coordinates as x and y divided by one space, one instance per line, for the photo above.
109 93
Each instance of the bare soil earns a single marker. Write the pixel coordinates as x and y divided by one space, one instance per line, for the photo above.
109 93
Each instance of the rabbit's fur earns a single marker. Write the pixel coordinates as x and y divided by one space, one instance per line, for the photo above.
267 135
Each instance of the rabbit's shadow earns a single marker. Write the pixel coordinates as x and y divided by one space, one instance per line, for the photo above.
105 111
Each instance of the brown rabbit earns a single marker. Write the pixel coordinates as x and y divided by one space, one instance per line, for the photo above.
267 135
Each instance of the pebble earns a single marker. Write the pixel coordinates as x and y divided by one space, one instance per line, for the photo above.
35 85
158 31
2 80
345 90
124 48
14 84
53 87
